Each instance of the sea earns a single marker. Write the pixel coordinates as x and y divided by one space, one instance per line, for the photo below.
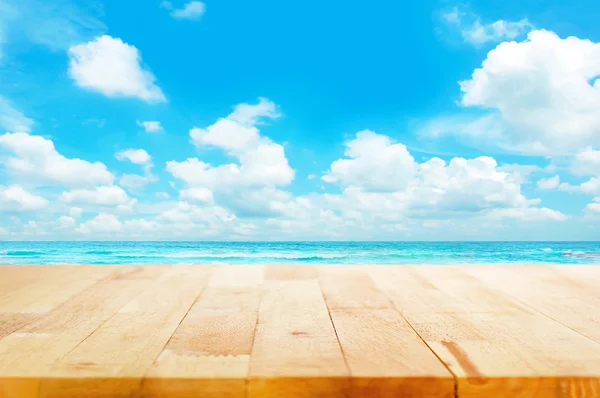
298 252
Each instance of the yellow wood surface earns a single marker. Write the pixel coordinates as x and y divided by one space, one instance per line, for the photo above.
300 331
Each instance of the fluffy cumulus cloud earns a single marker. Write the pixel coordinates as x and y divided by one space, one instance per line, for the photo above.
140 157
261 162
374 163
586 162
113 68
474 31
246 186
15 198
545 91
102 224
151 126
376 190
192 10
549 183
135 156
594 207
35 159
101 196
434 188
202 195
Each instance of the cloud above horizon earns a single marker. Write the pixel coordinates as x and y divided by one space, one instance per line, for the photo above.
336 155
475 32
113 68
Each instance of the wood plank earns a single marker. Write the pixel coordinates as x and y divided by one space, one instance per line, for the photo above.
209 353
345 287
290 272
29 353
509 351
414 289
237 275
43 294
378 344
512 355
568 295
296 352
177 331
387 358
112 361
11 322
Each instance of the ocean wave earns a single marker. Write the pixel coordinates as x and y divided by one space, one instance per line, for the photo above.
24 253
223 258
269 255
99 252
583 254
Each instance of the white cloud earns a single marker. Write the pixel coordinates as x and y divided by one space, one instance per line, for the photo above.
202 195
75 212
213 220
66 222
590 187
261 161
162 195
549 183
12 119
522 171
586 162
375 163
544 90
113 68
528 214
191 10
102 223
151 126
594 207
135 156
36 160
430 189
101 196
477 33
134 182
140 157
497 31
16 199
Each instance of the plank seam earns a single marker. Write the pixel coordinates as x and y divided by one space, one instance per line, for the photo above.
348 370
247 379
145 375
455 377
102 323
93 331
38 316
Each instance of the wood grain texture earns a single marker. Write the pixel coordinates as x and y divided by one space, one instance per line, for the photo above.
299 331
29 353
506 349
574 301
209 353
295 351
137 334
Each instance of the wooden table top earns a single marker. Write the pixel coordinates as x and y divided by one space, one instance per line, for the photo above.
300 331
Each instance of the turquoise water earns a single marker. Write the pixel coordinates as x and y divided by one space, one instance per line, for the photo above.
297 252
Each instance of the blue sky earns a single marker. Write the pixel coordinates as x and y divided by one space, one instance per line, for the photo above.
436 120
